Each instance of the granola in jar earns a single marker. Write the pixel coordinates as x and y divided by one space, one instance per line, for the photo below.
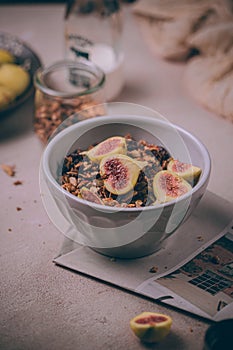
65 89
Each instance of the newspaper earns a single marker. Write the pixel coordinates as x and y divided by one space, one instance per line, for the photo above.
198 279
202 284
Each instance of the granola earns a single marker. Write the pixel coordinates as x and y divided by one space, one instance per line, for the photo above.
50 114
79 172
8 169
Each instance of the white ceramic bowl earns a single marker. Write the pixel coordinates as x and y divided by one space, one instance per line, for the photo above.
122 232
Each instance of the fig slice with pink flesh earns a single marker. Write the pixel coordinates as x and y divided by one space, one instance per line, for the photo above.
151 327
120 173
187 171
112 145
90 196
168 186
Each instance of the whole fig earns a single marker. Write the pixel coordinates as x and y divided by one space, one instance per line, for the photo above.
14 77
6 56
6 96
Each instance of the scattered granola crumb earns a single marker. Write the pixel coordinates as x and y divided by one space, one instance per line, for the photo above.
153 269
18 208
191 330
215 259
17 183
200 238
9 230
8 169
165 267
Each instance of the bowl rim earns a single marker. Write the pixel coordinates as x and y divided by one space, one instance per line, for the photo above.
100 120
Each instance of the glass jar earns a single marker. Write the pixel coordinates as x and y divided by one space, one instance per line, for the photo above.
63 89
93 31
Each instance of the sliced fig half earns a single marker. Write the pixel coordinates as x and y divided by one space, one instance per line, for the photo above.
112 145
151 327
168 186
189 172
120 173
90 196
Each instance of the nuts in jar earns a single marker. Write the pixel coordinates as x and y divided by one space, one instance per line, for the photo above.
63 89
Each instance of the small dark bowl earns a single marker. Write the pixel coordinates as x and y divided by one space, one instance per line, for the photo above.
26 58
219 336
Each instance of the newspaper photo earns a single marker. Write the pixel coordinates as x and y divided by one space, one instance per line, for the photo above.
206 281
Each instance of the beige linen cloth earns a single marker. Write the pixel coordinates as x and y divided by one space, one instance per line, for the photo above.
199 32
